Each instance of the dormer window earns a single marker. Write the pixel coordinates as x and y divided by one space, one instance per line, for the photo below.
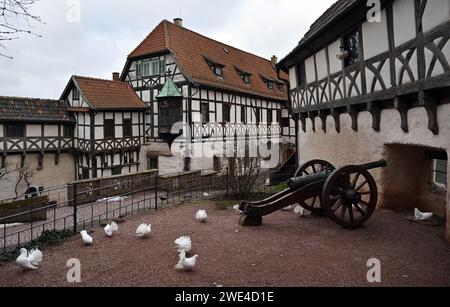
216 68
269 85
280 87
245 76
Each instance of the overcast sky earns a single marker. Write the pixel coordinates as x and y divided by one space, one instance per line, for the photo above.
110 29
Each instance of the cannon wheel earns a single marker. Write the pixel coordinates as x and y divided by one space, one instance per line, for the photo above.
350 196
313 204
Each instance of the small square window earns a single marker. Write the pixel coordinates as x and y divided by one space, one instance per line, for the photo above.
152 163
68 131
109 129
269 85
440 173
116 170
15 130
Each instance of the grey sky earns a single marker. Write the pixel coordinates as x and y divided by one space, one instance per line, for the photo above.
110 29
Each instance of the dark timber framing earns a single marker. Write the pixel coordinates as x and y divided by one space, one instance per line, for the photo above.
403 92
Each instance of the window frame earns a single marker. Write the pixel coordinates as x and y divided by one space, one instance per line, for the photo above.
227 107
115 172
75 94
216 68
127 129
301 74
14 126
151 161
243 114
146 68
203 113
355 33
68 131
269 116
106 135
435 172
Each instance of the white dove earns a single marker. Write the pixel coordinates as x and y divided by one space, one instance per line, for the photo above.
87 239
299 210
29 261
201 216
236 208
183 243
110 229
186 264
143 230
421 216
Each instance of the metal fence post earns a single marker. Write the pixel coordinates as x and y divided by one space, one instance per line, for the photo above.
156 192
228 174
75 218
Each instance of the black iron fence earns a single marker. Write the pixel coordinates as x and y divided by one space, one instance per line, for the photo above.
90 204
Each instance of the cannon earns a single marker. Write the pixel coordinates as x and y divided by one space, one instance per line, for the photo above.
348 195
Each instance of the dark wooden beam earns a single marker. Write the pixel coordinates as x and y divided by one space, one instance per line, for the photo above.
353 111
402 106
430 103
337 119
323 114
375 111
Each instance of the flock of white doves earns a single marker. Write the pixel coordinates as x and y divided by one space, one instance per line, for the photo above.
31 260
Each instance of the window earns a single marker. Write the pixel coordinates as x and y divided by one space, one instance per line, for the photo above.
127 128
75 94
243 114
14 130
440 172
152 163
205 113
216 68
116 170
269 116
245 76
187 164
109 130
269 85
68 131
84 173
280 87
279 117
226 113
258 115
351 45
150 68
301 74
217 164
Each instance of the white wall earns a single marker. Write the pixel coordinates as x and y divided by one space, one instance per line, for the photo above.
375 37
404 21
436 13
50 176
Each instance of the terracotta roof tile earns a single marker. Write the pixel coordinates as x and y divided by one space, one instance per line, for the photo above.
191 48
20 109
107 94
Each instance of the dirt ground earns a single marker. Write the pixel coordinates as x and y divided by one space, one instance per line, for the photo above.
285 251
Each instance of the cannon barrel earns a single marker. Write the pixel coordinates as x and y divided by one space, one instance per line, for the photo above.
300 182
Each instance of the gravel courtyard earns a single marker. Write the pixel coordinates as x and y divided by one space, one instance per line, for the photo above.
286 251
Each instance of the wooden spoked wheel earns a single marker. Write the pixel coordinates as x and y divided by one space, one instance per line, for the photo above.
350 196
313 204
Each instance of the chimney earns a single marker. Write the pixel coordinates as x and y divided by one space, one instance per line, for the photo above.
116 76
274 60
178 22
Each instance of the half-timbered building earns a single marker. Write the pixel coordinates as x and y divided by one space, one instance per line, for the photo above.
36 140
183 76
368 84
109 132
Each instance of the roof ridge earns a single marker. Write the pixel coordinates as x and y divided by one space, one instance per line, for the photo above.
30 98
99 79
216 41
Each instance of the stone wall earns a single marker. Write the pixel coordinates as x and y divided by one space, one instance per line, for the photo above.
405 183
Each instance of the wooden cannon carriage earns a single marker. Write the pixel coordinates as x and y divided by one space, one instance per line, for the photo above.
348 195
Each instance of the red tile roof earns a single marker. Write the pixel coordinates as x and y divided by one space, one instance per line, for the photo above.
107 94
191 48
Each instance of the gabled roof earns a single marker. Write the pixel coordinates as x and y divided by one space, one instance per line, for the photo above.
106 94
324 22
191 49
169 90
18 109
